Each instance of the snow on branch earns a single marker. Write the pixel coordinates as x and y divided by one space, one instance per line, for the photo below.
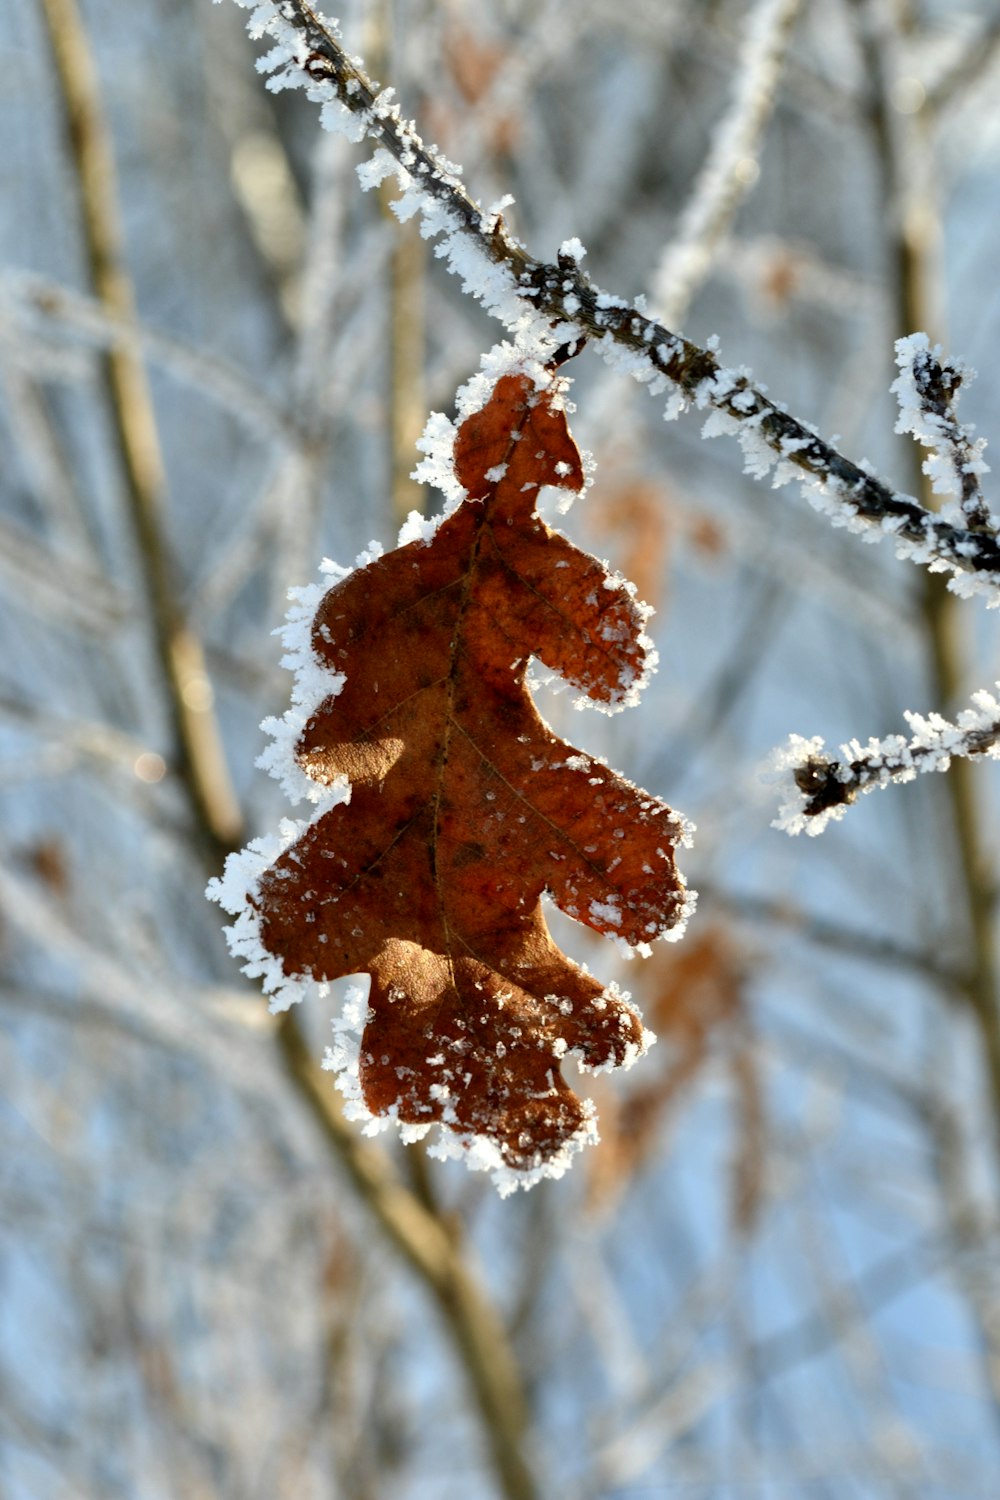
548 306
927 390
816 789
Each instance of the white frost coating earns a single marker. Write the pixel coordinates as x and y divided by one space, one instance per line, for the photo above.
687 897
314 683
417 528
479 1154
833 500
735 387
630 685
784 761
437 467
343 1059
572 249
956 456
863 768
929 427
236 888
627 950
633 1050
495 212
372 173
687 902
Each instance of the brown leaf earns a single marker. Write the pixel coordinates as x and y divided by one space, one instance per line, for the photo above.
465 808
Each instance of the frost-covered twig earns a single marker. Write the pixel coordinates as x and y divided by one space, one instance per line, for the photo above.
817 788
730 169
556 304
927 389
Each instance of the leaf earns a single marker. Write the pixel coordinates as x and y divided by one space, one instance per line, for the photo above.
465 809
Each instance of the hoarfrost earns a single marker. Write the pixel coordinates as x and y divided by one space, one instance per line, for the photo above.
235 890
815 789
571 249
343 1059
927 389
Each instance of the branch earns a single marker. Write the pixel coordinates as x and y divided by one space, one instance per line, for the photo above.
820 789
556 304
927 389
812 928
968 69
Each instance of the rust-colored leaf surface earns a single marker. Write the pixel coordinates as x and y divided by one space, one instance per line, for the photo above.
465 807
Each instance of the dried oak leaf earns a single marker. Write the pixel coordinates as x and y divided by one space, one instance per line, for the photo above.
465 808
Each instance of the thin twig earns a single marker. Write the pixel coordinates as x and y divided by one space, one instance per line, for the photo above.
823 786
927 390
407 406
271 208
45 460
975 1239
65 590
839 938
